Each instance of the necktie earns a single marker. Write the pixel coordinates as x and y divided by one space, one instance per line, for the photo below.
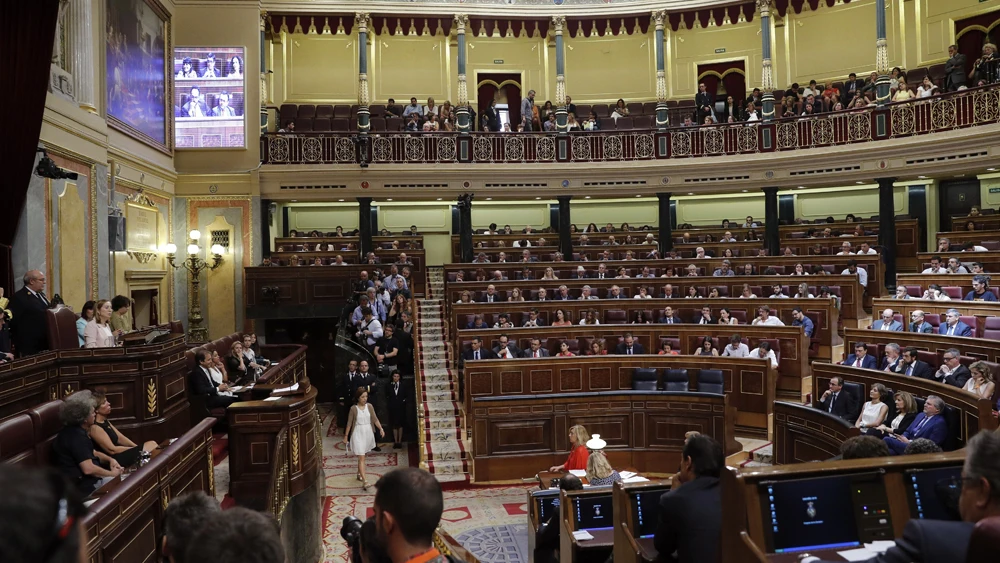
670 321
629 350
832 401
885 325
42 298
909 370
477 354
395 388
857 363
537 353
922 423
602 276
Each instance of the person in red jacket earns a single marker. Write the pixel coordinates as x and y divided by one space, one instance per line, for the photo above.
577 460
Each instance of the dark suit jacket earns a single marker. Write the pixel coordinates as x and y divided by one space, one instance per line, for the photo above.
867 362
515 352
697 319
895 366
484 354
28 325
201 384
845 96
485 299
958 377
622 348
544 352
920 369
954 72
929 541
927 328
492 121
677 320
936 429
360 380
844 407
690 522
961 329
702 99
905 423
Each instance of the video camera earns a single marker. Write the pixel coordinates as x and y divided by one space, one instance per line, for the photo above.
357 534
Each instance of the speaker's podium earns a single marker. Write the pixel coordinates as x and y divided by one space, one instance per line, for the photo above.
275 446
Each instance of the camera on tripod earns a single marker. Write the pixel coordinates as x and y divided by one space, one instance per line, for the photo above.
47 168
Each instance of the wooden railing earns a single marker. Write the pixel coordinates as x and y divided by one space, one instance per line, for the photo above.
947 112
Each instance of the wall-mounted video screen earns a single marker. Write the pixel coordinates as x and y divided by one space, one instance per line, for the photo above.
209 100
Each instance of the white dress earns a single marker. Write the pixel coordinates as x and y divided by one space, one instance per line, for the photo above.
362 436
870 414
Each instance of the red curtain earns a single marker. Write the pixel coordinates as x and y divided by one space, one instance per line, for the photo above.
487 89
731 74
26 32
973 33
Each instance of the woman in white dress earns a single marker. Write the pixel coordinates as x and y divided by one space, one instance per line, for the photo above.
874 411
981 383
98 333
362 439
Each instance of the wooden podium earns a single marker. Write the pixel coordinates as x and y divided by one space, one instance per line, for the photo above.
275 446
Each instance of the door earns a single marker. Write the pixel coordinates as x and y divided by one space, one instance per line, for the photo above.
956 197
505 88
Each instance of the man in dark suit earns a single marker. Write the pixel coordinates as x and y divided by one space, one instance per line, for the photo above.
836 401
704 102
491 295
953 326
478 351
860 358
536 350
669 317
952 371
929 424
913 367
954 70
919 324
202 384
691 512
28 325
629 347
705 317
851 87
571 107
932 541
505 349
346 392
547 536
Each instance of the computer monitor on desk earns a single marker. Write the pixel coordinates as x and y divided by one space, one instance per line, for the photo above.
933 493
829 512
645 505
593 512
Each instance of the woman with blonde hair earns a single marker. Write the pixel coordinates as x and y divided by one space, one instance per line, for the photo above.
906 413
599 471
577 461
98 333
981 383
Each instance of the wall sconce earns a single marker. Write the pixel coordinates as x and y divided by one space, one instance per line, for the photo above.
195 265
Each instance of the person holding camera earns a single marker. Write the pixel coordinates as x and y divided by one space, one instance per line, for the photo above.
358 435
408 507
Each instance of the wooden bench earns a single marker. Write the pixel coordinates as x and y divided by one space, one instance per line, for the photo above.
975 313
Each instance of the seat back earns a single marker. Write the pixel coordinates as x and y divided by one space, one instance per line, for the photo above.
61 323
857 391
984 544
711 381
971 321
17 440
644 379
615 317
675 380
46 423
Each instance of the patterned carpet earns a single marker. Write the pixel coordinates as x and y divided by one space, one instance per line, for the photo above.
489 521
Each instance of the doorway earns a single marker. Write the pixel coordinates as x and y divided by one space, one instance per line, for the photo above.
145 312
956 197
505 88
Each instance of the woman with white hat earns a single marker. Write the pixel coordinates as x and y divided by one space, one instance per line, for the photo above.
599 471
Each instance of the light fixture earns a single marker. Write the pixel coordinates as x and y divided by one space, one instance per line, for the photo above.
991 169
491 199
690 193
922 177
802 187
745 191
195 265
541 198
341 199
439 199
859 182
388 199
586 197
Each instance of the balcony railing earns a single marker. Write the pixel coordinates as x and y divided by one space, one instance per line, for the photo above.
955 110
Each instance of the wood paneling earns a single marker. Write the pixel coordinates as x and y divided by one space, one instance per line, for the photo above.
802 433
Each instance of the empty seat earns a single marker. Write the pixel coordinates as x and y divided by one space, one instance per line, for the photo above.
306 110
711 381
377 109
642 122
601 110
303 124
971 321
342 111
615 317
649 108
624 123
393 124
583 111
953 292
321 124
339 124
992 329
287 112
324 110
644 379
377 124
634 108
607 124
675 380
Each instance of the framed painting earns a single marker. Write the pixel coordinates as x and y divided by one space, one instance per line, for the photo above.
137 95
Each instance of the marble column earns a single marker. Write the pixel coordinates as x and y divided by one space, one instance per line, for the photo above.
766 78
82 52
365 226
565 240
558 23
263 73
465 226
364 116
771 241
881 58
662 118
663 217
462 111
887 230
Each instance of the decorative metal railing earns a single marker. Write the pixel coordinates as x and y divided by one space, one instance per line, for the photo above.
955 110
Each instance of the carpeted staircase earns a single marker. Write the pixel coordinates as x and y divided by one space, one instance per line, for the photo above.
444 451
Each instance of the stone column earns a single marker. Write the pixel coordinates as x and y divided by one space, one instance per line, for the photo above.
887 230
766 78
82 53
881 65
465 226
364 116
462 111
771 241
365 226
263 74
558 23
565 240
662 118
666 234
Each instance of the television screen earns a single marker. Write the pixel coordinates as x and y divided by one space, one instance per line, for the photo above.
594 512
646 505
209 101
816 513
933 493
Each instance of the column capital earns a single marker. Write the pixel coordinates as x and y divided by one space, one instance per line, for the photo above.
659 18
770 191
885 181
263 20
764 7
664 195
461 22
362 19
558 22
561 198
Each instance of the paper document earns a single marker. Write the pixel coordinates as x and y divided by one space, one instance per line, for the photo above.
880 545
273 399
581 535
863 553
579 472
287 389
635 479
236 389
627 474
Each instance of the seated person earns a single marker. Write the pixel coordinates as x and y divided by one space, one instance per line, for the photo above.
836 401
800 319
860 357
906 411
109 440
478 351
690 526
887 322
952 372
236 366
477 322
929 424
73 452
927 541
599 470
764 351
980 290
202 384
578 456
120 317
629 346
249 357
547 536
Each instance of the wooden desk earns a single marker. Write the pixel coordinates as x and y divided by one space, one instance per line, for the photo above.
987 222
594 550
978 348
629 548
979 309
515 435
922 281
253 430
803 433
990 260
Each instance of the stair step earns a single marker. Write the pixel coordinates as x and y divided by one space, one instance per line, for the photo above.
448 467
442 422
441 409
451 450
442 434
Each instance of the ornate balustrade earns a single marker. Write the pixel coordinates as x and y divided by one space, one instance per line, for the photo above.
968 108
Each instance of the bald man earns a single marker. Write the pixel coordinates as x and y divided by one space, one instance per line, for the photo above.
28 305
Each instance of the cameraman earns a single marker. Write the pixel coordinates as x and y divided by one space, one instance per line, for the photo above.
408 507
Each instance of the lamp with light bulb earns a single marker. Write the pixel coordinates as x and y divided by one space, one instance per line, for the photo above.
195 265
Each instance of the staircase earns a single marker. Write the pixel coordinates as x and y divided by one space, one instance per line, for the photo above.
443 449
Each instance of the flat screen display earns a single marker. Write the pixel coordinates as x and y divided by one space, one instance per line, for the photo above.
646 510
932 493
546 506
593 512
209 97
808 514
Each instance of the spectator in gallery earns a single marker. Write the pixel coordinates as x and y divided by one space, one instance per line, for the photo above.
414 123
527 110
224 109
954 69
289 128
929 424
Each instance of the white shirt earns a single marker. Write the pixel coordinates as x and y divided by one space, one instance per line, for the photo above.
742 351
584 321
939 270
751 296
977 248
98 336
647 296
770 356
845 253
771 321
862 275
870 251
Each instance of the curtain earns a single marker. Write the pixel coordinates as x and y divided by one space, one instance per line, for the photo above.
27 29
154 315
